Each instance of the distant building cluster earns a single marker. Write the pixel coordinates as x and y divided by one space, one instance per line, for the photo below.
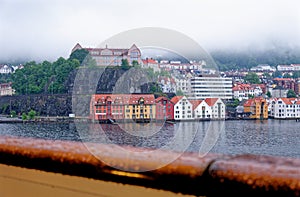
291 67
144 107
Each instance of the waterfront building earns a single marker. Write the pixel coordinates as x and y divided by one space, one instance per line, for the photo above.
107 106
201 110
140 107
112 56
285 108
182 108
210 87
164 109
218 109
257 108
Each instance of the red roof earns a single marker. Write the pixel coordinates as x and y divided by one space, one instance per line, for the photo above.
131 99
175 99
242 87
282 79
195 103
149 61
251 102
288 101
211 101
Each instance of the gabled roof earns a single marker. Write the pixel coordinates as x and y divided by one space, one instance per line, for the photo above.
195 103
175 99
211 101
251 102
288 101
129 99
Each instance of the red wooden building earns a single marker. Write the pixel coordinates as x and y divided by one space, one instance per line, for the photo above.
164 109
108 106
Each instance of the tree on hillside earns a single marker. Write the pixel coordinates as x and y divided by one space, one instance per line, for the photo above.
277 74
45 77
287 75
296 74
291 94
252 78
125 64
79 54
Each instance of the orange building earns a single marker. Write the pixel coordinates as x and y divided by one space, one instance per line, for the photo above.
257 107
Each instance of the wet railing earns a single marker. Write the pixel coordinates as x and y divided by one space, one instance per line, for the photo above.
211 175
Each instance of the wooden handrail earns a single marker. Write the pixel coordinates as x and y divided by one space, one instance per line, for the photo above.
211 175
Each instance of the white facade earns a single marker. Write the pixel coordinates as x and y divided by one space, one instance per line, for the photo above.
285 68
285 108
263 67
211 87
202 111
168 85
5 69
183 85
183 109
218 108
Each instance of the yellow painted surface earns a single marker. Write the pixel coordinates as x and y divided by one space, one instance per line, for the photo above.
17 181
129 109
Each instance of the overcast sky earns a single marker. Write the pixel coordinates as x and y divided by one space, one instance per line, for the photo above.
44 29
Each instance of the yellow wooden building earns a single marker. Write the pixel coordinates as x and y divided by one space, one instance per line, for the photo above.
257 108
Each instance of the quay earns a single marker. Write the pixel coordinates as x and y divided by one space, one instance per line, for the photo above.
68 168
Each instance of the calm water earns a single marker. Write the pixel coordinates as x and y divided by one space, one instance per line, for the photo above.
271 137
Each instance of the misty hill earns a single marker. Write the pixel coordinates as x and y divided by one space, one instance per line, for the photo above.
233 59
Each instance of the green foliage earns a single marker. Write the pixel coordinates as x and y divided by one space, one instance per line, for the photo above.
13 114
125 64
89 61
296 74
24 116
179 93
277 74
4 78
291 94
4 108
155 88
79 54
135 63
287 75
31 114
252 78
269 94
44 77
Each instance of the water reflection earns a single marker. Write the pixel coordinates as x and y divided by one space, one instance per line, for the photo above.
271 137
